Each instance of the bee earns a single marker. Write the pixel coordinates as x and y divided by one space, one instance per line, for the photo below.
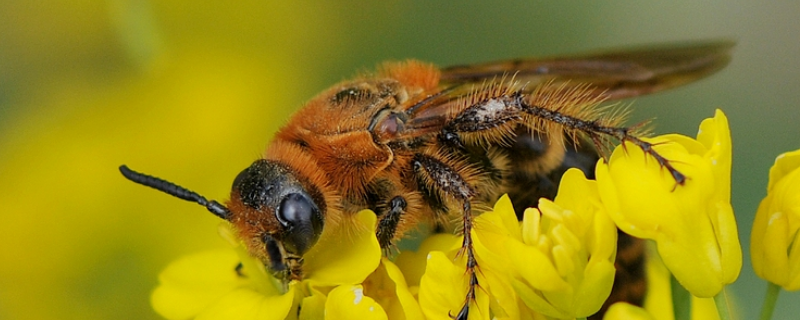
417 144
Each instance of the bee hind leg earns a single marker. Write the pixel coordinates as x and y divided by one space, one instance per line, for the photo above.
600 134
472 264
444 179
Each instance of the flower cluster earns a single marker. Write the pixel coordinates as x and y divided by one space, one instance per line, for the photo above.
557 263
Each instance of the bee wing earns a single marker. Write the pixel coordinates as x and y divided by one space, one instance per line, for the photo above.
620 74
613 75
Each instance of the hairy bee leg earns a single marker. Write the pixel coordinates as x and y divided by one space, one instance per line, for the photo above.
442 177
594 129
493 118
387 226
472 263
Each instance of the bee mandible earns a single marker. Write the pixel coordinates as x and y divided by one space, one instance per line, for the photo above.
418 144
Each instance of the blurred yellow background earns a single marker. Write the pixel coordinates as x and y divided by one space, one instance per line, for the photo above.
192 90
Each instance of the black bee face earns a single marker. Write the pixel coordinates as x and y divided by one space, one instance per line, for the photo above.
285 215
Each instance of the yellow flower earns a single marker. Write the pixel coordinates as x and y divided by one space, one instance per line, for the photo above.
210 286
560 260
693 224
349 302
774 244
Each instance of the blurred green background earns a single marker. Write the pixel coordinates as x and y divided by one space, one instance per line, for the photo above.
193 90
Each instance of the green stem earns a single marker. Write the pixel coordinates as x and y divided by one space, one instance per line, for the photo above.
681 300
769 301
721 300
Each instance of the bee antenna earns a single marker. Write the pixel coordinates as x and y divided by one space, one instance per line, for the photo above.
175 190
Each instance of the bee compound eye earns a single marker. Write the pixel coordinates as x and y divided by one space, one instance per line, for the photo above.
302 221
294 209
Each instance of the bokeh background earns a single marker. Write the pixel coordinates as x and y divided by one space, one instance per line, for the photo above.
193 90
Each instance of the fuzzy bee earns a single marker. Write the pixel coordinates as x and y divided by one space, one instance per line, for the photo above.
417 144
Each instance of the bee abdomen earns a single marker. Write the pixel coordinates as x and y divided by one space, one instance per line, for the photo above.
536 167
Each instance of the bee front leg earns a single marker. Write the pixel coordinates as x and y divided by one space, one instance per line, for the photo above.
395 206
440 177
387 226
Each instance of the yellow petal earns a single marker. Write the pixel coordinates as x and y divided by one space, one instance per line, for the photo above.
602 242
598 278
345 255
715 135
730 249
574 188
190 284
313 306
693 268
443 289
580 197
505 210
246 304
494 277
256 274
408 305
770 261
612 197
349 302
387 287
534 267
413 263
794 263
535 301
784 164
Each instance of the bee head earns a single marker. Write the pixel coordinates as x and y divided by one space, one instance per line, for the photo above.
276 213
